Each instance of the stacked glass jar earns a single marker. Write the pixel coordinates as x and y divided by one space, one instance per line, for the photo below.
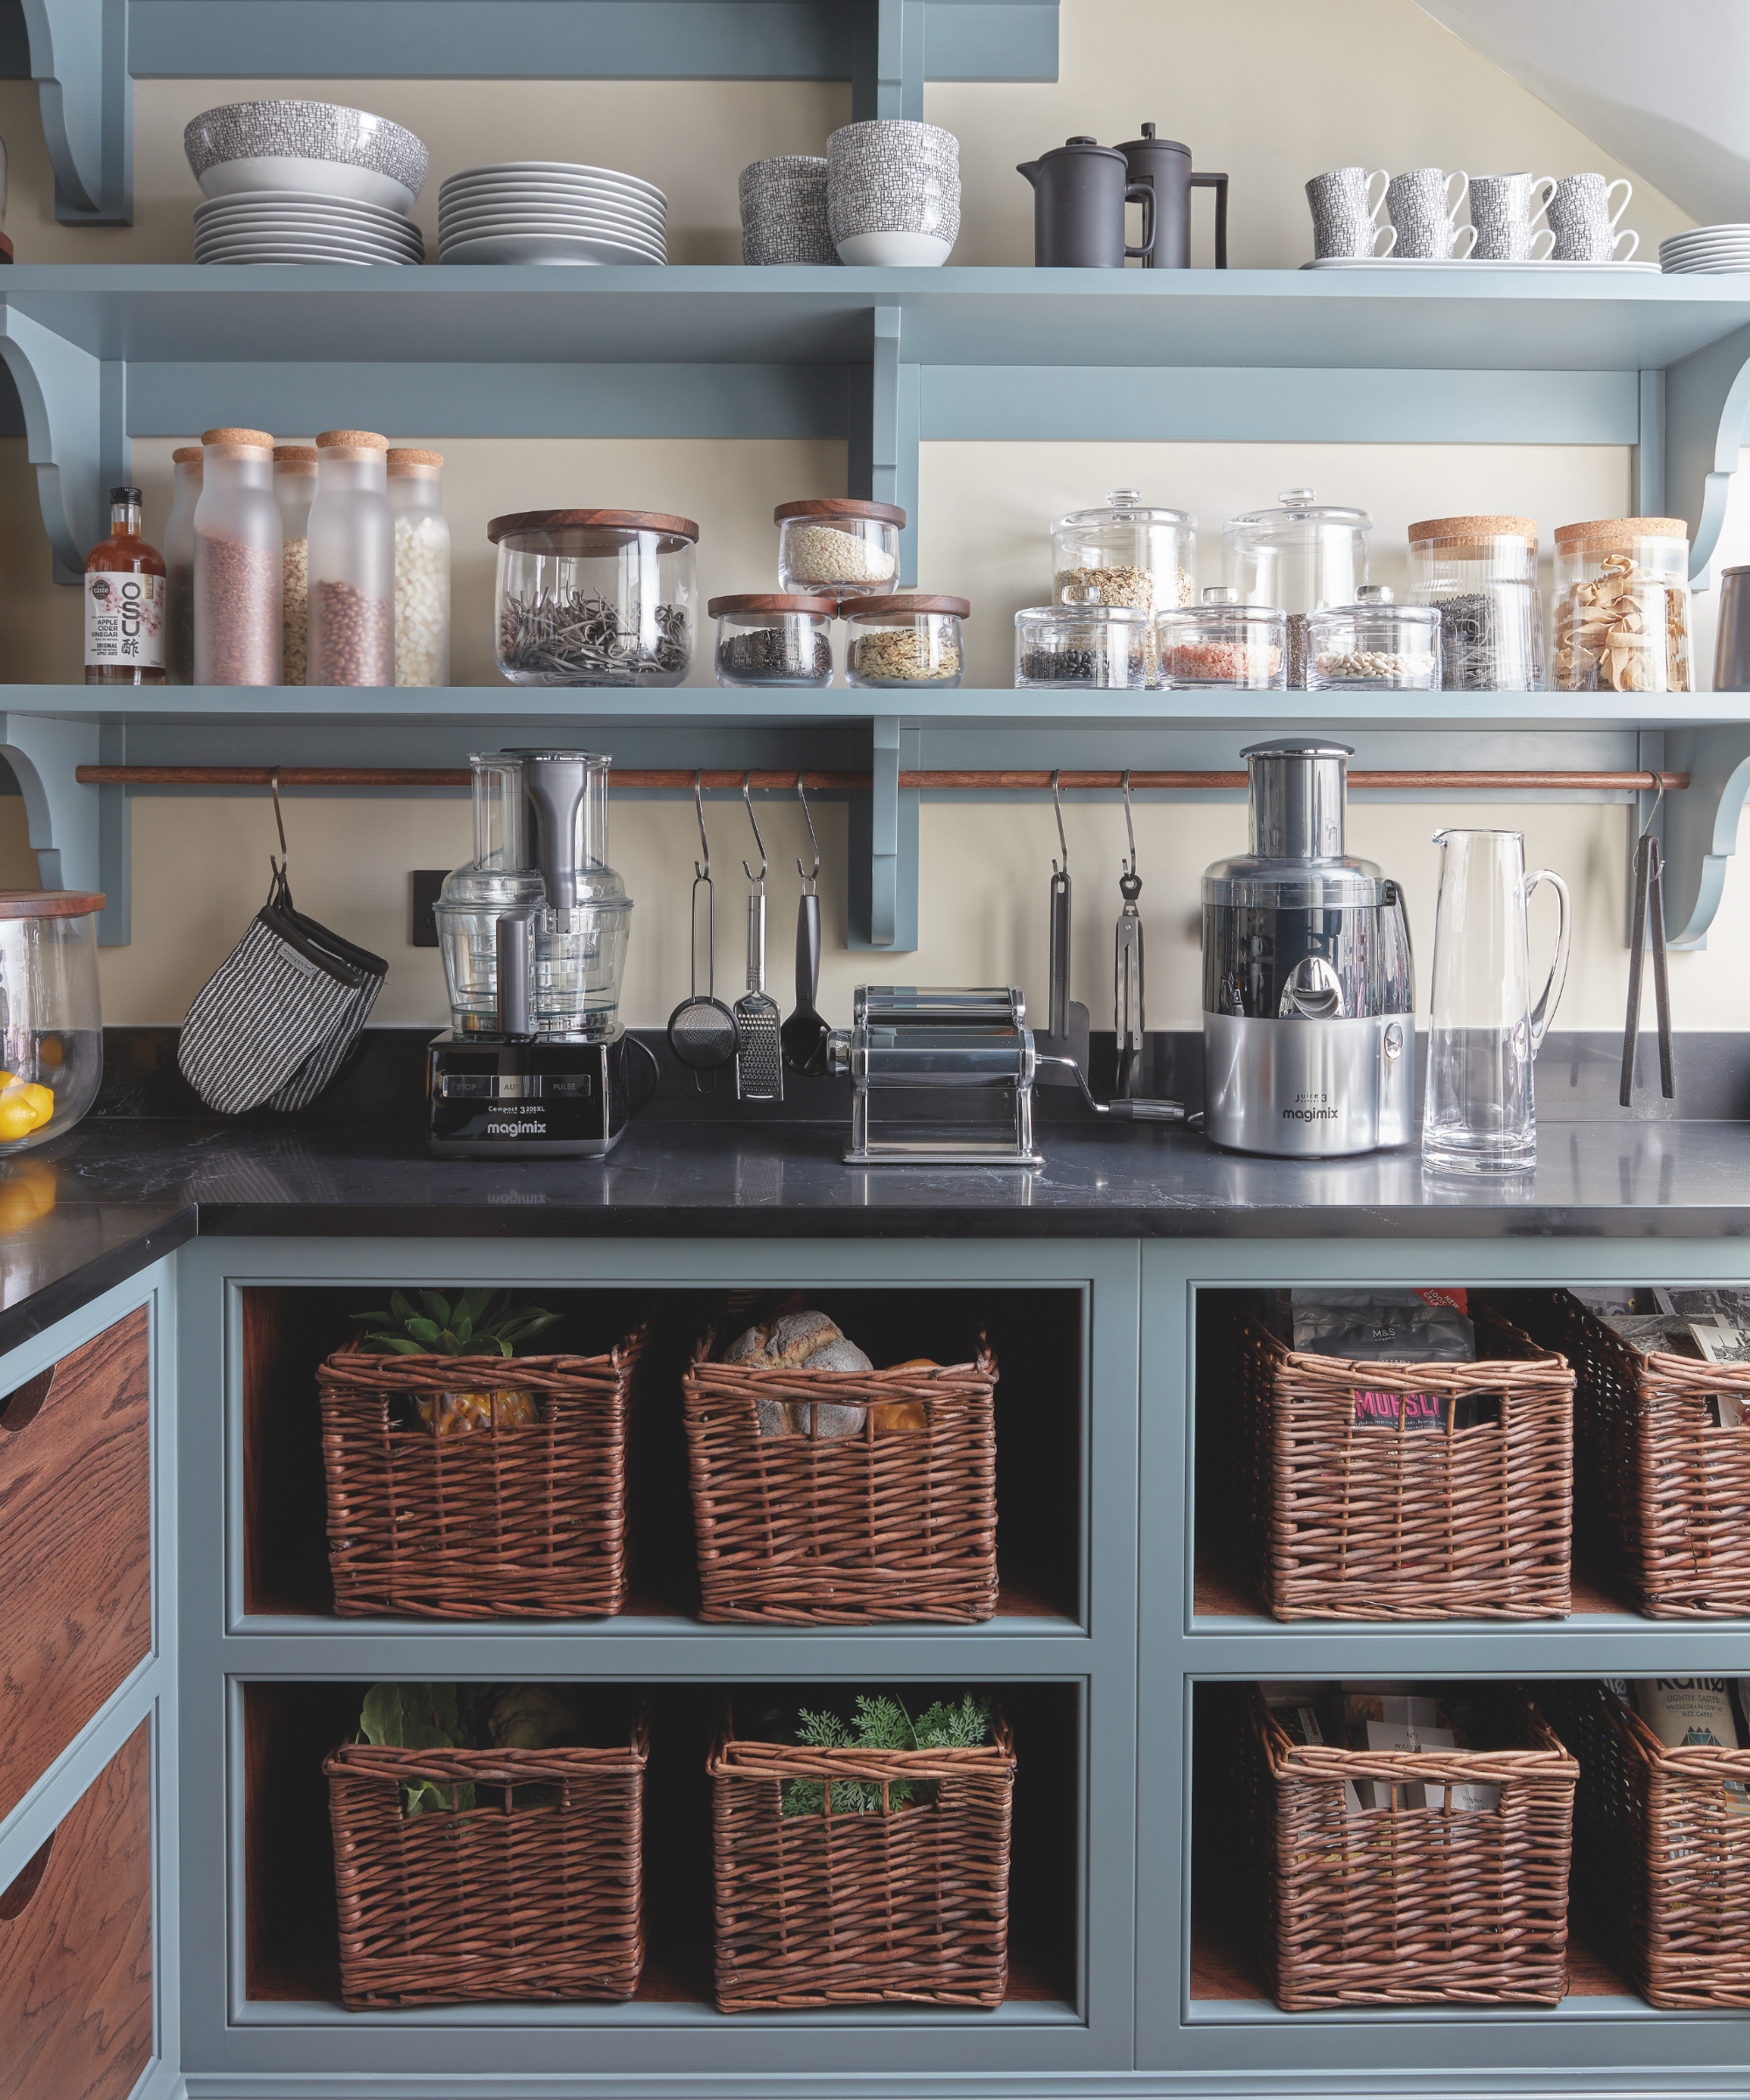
352 563
1481 574
1295 559
237 541
1622 606
1374 644
1126 552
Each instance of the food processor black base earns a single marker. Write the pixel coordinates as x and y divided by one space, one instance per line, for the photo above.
492 1098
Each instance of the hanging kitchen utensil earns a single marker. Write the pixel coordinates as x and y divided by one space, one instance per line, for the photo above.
1067 1034
1127 967
759 1062
1648 928
805 1035
702 1033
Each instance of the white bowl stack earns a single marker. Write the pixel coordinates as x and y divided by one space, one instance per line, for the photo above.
550 211
1706 251
293 181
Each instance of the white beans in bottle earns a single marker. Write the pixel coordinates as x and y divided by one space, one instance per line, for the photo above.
422 566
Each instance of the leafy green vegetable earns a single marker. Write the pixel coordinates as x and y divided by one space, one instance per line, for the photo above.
418 1717
883 1724
479 1322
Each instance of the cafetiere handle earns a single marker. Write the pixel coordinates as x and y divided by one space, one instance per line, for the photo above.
1544 1012
1219 184
1143 194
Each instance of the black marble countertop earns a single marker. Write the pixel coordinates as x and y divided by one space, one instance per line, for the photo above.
130 1183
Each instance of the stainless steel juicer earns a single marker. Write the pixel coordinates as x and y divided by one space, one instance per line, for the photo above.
1309 1041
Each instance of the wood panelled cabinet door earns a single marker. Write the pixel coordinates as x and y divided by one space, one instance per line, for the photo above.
76 1945
76 1517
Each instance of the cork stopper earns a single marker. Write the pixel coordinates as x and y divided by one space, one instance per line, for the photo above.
1472 531
227 444
366 441
1611 532
407 458
188 455
294 455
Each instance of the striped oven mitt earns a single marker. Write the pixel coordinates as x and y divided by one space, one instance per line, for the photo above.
277 1016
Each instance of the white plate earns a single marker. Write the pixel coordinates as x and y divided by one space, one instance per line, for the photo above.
1671 252
538 215
346 208
279 255
550 222
342 251
270 222
633 251
553 167
545 247
605 201
329 177
1400 264
596 185
258 251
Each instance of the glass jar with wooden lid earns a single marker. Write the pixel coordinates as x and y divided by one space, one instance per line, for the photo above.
595 596
1481 572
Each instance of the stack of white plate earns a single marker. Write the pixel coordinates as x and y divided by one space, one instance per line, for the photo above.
550 211
302 226
1706 250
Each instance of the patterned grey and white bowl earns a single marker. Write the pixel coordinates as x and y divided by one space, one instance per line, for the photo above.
296 145
783 211
893 192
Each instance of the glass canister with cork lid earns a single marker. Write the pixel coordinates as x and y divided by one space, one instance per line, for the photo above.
1125 552
422 566
1481 574
1296 557
1622 606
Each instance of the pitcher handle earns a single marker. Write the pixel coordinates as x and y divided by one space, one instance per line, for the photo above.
1544 1012
1143 194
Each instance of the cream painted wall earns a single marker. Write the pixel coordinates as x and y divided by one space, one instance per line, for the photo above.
1306 88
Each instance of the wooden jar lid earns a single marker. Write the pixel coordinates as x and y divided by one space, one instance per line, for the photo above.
50 904
772 601
516 521
1489 526
827 508
907 601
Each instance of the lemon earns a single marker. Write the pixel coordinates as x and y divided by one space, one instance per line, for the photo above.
18 1118
42 1102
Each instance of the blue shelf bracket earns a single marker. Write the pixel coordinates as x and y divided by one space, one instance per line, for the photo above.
43 751
79 59
885 409
883 885
1701 824
887 61
1707 397
75 432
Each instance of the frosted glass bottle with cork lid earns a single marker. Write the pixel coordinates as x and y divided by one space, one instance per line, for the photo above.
422 566
1622 606
237 543
178 553
294 491
352 562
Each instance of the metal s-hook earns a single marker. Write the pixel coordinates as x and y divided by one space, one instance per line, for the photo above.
1129 883
759 881
281 867
1063 842
811 882
701 874
1656 781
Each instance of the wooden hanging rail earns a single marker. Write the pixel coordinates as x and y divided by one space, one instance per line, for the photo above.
991 781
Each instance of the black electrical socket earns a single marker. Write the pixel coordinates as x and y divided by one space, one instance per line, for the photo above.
427 885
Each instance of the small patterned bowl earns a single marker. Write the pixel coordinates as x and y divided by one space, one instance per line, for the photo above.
894 191
783 211
293 146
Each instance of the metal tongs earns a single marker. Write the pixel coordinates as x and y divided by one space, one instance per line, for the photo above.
1649 912
1127 970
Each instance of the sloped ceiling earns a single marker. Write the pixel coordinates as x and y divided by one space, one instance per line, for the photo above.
1663 86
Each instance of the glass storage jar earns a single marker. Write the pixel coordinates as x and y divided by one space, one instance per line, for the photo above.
595 596
237 541
773 638
178 553
911 639
1126 552
422 566
1296 557
838 543
1222 644
1481 573
1622 606
1374 644
1095 646
294 491
352 563
51 1019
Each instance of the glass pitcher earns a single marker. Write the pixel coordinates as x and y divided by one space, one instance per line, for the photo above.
1484 1029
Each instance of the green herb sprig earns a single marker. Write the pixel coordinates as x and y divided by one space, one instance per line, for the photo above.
883 1724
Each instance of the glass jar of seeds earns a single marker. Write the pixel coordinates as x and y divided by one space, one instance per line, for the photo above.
1223 646
595 596
1373 646
910 640
1126 552
1622 606
1092 646
838 544
1481 574
773 638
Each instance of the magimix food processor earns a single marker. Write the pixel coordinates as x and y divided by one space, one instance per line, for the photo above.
533 931
1309 1039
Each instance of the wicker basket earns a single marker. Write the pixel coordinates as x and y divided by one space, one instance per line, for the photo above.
902 1906
813 1530
521 1523
1400 1905
1662 1494
1664 1859
1377 1522
498 1902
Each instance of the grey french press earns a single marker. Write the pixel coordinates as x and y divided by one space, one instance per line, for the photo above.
1079 191
1166 166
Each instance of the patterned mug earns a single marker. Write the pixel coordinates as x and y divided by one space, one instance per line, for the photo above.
1425 213
1345 215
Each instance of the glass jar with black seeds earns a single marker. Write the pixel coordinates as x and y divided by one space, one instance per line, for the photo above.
773 638
1481 574
1101 647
